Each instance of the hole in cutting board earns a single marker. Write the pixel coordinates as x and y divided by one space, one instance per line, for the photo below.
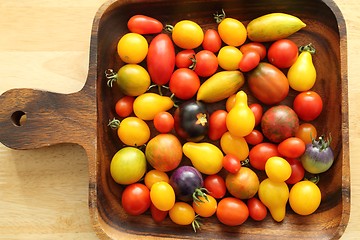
18 118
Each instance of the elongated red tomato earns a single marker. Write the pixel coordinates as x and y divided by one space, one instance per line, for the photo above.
212 41
144 25
249 61
161 59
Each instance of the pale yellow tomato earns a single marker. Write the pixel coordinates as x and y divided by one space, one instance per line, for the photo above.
132 48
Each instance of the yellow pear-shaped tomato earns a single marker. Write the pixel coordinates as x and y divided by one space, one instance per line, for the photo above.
147 105
204 156
274 195
236 146
240 120
302 74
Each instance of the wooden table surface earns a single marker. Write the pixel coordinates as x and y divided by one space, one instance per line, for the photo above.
44 44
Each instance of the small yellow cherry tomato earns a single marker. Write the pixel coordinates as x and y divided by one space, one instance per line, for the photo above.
229 58
305 197
278 169
232 32
187 34
132 48
154 176
162 195
133 131
205 208
182 213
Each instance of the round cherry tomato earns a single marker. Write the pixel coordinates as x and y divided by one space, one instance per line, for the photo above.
187 34
292 147
283 53
231 163
164 122
297 171
232 211
132 48
182 213
249 61
135 199
133 131
183 59
229 58
277 169
215 184
124 106
184 83
308 105
162 195
305 197
306 132
154 176
217 124
212 41
254 138
227 27
254 46
206 63
260 153
144 25
257 109
206 207
156 214
257 210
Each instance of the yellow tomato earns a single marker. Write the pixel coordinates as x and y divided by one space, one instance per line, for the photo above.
229 58
236 146
305 197
162 195
278 169
132 48
154 176
147 105
232 32
182 213
133 79
187 34
205 208
133 131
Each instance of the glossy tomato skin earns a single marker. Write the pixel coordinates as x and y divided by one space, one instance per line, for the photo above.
206 63
184 83
306 132
135 199
231 163
260 153
187 34
268 84
212 41
232 211
249 61
144 25
257 210
215 184
297 171
217 124
292 147
254 138
157 215
254 46
183 59
283 53
164 122
308 105
161 59
257 109
124 106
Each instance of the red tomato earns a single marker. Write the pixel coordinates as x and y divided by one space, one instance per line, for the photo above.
306 132
283 53
297 171
206 63
231 163
254 46
249 61
161 59
183 59
212 41
163 122
124 106
135 199
156 214
257 210
144 25
215 184
257 109
260 153
292 147
184 83
217 124
254 138
308 105
232 211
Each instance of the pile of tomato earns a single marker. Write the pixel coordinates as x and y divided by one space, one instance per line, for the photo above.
194 147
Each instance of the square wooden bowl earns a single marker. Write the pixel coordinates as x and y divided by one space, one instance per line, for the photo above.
83 117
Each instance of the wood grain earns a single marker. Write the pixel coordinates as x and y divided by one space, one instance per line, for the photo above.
23 192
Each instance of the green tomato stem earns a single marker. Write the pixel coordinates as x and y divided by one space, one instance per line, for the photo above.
307 48
111 76
196 223
169 28
219 16
114 123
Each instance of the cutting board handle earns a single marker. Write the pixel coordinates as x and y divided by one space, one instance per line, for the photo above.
33 118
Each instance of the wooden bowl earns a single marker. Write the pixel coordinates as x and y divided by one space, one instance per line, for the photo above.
82 118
